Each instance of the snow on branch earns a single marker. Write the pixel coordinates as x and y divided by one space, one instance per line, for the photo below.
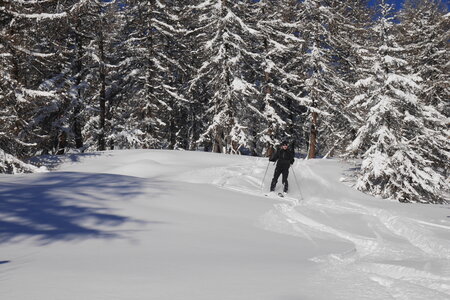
231 17
408 80
32 53
242 86
170 27
37 93
38 17
202 5
174 94
300 100
394 61
25 2
386 48
365 82
11 165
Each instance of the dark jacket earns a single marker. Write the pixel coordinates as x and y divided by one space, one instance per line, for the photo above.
284 158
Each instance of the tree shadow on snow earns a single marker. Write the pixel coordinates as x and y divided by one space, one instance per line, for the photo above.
52 162
67 205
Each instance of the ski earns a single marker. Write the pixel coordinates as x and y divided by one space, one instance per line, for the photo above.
281 195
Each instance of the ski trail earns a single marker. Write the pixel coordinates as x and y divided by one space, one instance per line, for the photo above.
396 237
433 225
413 276
413 232
376 249
392 237
364 245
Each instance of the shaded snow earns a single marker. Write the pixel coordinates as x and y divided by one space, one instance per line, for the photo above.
190 225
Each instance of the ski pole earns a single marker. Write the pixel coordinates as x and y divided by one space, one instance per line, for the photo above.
298 186
262 182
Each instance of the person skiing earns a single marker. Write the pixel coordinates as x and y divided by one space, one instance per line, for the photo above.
284 158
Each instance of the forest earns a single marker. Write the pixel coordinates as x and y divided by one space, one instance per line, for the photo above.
336 78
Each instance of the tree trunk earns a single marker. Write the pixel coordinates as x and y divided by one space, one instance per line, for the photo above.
62 144
218 143
268 92
270 150
102 75
76 125
172 131
313 137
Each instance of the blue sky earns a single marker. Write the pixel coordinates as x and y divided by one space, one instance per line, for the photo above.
398 3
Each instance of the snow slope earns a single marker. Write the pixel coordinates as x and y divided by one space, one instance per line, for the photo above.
149 224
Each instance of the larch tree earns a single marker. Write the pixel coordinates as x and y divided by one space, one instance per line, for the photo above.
226 52
32 105
325 85
98 31
348 26
154 38
393 140
428 58
282 84
429 55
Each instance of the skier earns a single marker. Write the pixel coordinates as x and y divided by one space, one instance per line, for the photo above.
284 158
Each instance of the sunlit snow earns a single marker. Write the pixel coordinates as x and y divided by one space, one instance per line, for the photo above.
149 224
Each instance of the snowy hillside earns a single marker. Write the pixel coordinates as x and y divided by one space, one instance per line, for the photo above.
171 225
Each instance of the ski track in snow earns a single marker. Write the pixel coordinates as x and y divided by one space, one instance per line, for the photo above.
381 252
357 246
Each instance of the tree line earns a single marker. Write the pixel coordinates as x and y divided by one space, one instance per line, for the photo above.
337 78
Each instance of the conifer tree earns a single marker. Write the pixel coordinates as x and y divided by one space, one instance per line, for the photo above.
281 73
154 36
96 31
429 54
428 57
393 139
325 29
226 54
32 104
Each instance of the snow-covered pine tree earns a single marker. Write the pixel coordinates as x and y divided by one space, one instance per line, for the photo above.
153 39
393 139
78 71
97 27
429 55
226 49
348 27
191 111
8 71
325 84
122 127
31 104
135 116
11 147
55 73
282 86
172 25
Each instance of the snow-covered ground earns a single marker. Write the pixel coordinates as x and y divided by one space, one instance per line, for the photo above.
150 224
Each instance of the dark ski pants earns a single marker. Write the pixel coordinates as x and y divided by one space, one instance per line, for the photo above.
284 178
